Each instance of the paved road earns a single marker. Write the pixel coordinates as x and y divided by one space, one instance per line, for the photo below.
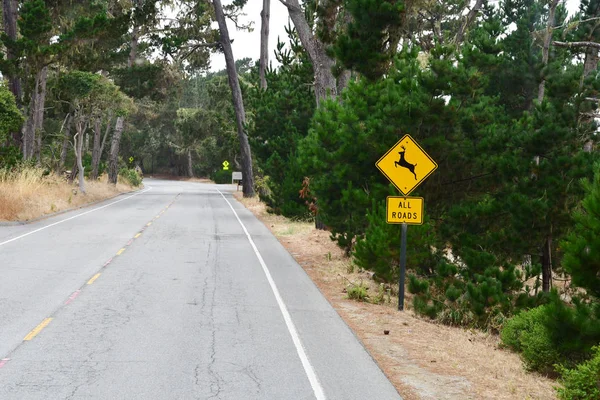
176 292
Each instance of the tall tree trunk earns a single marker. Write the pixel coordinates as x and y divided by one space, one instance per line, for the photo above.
134 47
10 14
35 116
238 104
28 128
190 166
265 15
106 133
546 47
590 65
325 82
470 17
113 160
39 112
343 80
134 37
80 127
65 145
96 149
74 169
547 265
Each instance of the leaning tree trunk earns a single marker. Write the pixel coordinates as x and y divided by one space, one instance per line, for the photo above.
238 104
113 160
264 43
325 82
469 18
96 149
78 147
65 145
546 48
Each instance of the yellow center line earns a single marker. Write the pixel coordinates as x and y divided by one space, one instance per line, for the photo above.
158 216
149 223
93 278
121 251
38 329
138 235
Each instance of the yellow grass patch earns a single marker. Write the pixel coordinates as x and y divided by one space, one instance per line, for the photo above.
27 194
423 360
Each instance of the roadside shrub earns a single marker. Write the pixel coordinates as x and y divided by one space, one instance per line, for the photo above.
554 333
358 292
526 333
131 176
583 381
221 176
10 157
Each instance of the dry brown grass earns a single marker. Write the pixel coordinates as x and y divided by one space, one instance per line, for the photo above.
424 360
26 194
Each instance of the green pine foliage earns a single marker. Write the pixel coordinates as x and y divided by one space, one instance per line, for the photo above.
581 248
281 117
369 43
554 333
583 381
379 249
10 116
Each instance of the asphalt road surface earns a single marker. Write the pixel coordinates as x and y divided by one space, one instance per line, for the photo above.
173 292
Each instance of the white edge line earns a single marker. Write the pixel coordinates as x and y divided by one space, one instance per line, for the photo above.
308 368
73 217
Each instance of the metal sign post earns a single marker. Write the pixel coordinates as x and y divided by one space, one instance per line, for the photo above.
406 165
402 267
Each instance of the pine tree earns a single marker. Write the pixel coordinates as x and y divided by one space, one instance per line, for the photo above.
581 248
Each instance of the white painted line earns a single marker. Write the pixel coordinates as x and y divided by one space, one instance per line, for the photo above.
308 368
73 217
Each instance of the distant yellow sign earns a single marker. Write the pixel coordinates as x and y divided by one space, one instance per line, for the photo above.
225 165
404 210
406 165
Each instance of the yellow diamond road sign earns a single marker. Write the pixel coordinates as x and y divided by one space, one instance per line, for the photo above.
406 165
404 210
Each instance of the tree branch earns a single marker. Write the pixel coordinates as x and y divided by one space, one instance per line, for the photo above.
572 45
290 6
200 45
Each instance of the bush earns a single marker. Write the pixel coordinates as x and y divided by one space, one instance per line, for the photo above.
358 292
10 157
554 333
131 176
526 333
221 176
583 381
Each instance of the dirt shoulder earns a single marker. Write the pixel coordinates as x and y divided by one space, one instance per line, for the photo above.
422 359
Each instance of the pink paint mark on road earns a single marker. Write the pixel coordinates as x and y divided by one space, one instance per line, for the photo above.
4 361
129 243
108 262
73 296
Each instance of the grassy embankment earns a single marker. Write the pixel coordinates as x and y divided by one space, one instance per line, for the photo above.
424 360
26 194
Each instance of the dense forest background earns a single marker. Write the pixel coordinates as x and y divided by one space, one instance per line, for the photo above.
503 95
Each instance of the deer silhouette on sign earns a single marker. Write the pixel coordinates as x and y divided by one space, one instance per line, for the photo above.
405 164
